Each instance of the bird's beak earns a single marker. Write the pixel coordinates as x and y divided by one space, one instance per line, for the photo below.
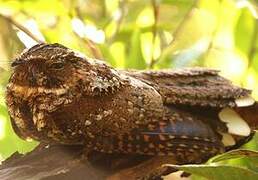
17 62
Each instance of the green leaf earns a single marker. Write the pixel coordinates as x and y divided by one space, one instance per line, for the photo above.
244 31
191 37
239 153
135 58
189 56
218 172
107 55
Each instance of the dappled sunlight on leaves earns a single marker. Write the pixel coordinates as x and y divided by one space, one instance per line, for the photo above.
2 126
217 34
231 64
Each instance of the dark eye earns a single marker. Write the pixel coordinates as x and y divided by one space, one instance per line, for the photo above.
57 65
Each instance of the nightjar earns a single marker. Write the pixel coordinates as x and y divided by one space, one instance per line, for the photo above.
56 95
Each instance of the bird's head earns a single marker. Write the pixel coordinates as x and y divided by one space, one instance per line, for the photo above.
49 67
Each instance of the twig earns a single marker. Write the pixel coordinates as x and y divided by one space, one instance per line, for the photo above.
21 27
90 44
253 47
119 20
213 34
182 23
155 7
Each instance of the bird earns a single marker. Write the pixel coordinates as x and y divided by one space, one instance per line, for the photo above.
58 95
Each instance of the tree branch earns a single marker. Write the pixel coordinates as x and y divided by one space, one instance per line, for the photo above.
155 7
119 20
90 44
61 162
181 24
21 27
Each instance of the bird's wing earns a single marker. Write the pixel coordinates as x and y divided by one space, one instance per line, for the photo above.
180 134
204 93
194 86
190 130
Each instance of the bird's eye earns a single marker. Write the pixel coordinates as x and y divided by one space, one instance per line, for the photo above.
57 65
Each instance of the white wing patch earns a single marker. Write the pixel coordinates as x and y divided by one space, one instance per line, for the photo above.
236 125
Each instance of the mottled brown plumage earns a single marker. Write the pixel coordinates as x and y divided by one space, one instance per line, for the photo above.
58 96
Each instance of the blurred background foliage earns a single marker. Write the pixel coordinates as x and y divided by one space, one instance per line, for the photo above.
140 34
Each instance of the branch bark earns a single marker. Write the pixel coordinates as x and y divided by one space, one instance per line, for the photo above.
21 27
69 162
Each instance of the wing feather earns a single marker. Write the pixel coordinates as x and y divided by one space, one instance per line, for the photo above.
194 86
180 134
